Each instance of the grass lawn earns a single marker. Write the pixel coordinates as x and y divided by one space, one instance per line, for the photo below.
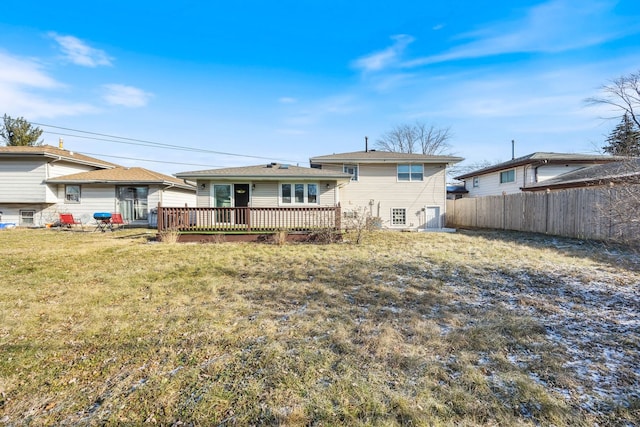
471 328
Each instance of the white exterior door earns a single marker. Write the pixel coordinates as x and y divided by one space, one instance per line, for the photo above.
432 219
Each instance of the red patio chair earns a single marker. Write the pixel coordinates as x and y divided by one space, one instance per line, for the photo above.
67 220
116 219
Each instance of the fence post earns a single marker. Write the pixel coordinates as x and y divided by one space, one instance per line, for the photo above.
338 213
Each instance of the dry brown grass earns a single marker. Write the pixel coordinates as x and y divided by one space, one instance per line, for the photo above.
403 329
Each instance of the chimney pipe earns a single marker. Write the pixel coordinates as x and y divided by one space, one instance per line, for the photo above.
61 144
513 149
366 144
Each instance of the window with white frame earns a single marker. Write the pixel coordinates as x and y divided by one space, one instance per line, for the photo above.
476 181
508 176
298 193
351 169
398 216
411 172
27 217
72 194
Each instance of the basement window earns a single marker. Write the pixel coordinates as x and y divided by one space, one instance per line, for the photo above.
27 218
398 216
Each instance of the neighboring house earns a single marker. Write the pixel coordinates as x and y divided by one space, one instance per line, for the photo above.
613 173
517 174
132 191
37 183
405 191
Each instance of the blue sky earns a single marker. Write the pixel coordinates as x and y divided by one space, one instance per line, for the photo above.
287 80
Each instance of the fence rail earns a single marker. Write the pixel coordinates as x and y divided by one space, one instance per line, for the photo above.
603 213
248 219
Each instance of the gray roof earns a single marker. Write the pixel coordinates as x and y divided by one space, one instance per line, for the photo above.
271 171
374 156
542 158
625 171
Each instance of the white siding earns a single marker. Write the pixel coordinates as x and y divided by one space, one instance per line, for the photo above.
264 195
56 169
489 184
551 171
22 182
171 197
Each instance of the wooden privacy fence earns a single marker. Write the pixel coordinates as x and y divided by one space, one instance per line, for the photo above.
602 213
248 219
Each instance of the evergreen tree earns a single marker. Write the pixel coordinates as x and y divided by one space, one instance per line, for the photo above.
19 132
624 140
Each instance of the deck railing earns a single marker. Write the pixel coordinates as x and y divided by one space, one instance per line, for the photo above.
248 219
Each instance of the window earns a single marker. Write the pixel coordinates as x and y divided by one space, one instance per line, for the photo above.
72 194
296 193
508 176
398 216
27 218
351 169
133 202
410 172
476 181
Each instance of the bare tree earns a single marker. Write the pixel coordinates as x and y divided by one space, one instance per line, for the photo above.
623 94
415 138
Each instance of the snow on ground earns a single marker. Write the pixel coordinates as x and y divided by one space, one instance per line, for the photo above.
594 316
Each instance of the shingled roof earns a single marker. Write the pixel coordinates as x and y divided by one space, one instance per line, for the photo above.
121 176
271 171
615 172
374 156
542 158
48 151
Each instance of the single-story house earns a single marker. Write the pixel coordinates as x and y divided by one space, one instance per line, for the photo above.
265 197
519 173
37 183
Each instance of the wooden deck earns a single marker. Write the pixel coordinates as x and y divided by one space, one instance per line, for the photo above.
248 220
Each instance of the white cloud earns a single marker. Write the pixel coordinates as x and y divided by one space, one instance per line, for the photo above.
18 79
25 72
79 53
554 26
287 100
385 58
128 96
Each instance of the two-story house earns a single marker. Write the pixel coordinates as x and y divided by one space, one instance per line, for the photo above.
404 190
39 182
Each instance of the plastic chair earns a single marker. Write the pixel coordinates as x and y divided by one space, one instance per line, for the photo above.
116 219
67 220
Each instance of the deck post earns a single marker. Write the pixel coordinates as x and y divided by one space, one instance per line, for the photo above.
160 217
338 218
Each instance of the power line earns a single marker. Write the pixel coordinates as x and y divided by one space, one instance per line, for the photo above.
147 160
142 142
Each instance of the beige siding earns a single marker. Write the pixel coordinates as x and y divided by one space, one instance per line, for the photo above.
265 195
379 191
